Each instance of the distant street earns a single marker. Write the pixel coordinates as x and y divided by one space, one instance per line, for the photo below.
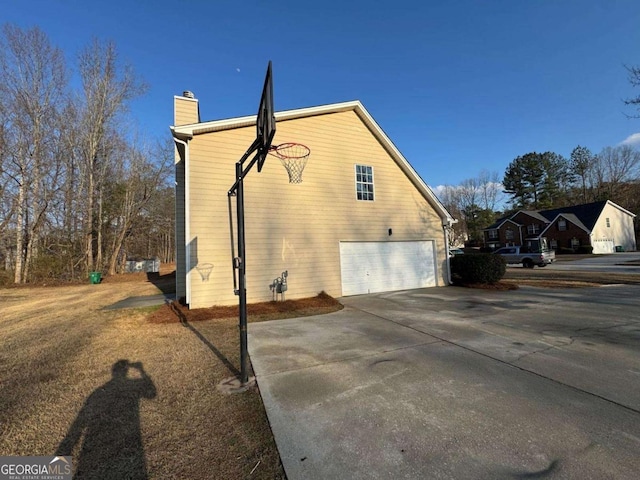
614 263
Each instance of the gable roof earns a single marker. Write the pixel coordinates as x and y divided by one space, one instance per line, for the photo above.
570 217
500 222
588 213
532 213
187 132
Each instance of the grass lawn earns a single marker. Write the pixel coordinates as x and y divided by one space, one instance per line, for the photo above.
131 393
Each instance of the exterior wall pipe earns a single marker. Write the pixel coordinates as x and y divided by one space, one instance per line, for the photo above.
187 222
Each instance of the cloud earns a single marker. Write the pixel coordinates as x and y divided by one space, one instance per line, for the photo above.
632 140
438 190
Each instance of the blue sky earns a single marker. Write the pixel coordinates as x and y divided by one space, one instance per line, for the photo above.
458 86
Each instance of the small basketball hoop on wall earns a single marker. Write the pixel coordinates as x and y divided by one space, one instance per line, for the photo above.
204 269
293 157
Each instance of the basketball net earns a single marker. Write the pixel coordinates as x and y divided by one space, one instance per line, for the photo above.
293 157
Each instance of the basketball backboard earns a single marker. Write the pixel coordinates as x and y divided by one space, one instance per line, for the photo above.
266 120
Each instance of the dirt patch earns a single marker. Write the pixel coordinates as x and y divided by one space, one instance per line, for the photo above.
321 304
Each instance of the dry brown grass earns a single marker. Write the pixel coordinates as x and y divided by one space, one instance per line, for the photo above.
58 393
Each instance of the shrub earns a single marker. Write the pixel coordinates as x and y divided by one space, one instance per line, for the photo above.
478 268
585 249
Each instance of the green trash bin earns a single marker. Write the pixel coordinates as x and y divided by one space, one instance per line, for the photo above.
95 277
619 248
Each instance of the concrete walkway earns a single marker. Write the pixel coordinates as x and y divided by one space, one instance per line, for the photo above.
453 383
142 301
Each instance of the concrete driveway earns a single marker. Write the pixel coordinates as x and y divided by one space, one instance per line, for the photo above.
457 383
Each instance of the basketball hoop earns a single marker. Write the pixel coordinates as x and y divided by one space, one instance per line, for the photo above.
293 157
204 270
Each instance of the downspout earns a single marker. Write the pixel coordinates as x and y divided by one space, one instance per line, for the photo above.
187 222
446 227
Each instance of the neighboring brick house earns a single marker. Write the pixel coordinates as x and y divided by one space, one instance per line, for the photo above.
605 226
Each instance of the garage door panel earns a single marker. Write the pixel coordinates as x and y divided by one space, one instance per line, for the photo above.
370 267
603 246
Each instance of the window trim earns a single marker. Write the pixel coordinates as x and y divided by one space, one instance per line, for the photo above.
562 225
533 229
372 183
493 234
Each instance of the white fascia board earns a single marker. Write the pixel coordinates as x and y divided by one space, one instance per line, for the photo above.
404 164
624 210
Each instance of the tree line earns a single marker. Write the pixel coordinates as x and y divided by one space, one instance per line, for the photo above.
80 191
546 180
538 181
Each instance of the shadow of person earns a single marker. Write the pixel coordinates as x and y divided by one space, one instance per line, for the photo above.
109 426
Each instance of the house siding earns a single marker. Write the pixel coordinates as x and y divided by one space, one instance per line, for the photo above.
298 227
621 227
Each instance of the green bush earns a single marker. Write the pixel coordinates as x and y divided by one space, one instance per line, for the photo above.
478 268
585 249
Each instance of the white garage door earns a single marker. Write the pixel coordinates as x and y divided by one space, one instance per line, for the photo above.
370 267
603 246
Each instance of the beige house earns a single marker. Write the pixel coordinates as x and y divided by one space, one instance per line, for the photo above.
325 232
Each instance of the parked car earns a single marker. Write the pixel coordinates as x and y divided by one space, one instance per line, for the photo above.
455 251
526 257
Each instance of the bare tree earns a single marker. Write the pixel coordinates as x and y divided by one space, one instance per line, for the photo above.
614 167
33 80
107 91
138 181
490 190
473 202
634 80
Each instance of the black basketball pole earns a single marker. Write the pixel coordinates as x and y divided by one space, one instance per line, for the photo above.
239 263
244 376
265 130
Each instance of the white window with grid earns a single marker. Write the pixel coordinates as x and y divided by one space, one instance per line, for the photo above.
533 229
493 234
562 224
364 182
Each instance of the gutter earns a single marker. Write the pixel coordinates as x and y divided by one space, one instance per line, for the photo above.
187 216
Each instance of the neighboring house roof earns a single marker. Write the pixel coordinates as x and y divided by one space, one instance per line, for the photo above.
532 213
186 132
588 213
569 217
573 219
500 223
